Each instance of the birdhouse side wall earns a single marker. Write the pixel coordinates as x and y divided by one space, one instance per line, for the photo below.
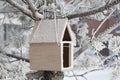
45 56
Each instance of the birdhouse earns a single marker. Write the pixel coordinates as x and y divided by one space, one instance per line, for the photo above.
51 46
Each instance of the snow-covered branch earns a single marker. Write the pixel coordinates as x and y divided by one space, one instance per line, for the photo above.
109 30
34 14
98 28
92 12
16 57
21 8
34 10
24 10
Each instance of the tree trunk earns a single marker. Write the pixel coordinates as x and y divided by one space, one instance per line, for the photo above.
45 75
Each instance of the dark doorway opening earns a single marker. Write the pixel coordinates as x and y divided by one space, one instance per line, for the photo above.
66 54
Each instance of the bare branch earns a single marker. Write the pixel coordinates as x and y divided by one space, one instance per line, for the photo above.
107 6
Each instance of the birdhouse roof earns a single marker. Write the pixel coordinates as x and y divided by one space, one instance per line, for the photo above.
50 31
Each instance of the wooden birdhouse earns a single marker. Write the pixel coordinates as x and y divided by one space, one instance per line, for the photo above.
51 46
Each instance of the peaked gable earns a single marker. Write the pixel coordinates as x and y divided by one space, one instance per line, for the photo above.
67 36
50 31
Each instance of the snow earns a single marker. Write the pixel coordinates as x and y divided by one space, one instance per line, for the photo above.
1 16
98 45
100 75
96 75
86 59
14 71
15 21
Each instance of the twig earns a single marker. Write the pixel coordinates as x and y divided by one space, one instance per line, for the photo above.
83 75
74 75
89 72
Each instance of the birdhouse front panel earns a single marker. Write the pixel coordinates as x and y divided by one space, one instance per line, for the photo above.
51 46
45 56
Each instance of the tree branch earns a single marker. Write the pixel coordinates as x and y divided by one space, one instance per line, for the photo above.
31 5
107 6
17 57
23 10
98 28
34 14
14 56
82 75
19 7
34 10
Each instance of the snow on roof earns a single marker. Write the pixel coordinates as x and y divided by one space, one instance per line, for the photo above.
50 31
